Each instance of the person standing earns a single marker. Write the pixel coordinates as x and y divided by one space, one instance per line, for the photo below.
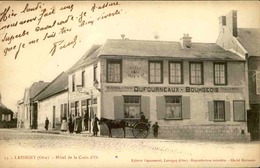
155 129
95 125
64 124
142 117
86 118
71 125
78 124
46 124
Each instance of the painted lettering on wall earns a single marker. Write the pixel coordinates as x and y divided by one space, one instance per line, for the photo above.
176 89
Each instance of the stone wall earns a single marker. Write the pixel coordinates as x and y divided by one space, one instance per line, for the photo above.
233 133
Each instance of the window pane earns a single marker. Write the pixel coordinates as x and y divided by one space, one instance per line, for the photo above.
155 72
114 72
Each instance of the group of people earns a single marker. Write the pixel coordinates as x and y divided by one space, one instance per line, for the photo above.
75 124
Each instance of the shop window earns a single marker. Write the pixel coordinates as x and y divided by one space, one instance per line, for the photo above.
196 73
173 107
73 83
239 110
219 110
220 73
155 72
114 71
175 72
132 106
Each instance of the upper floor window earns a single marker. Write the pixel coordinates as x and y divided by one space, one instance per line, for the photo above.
73 83
175 72
83 78
132 106
95 73
114 71
220 73
155 72
196 73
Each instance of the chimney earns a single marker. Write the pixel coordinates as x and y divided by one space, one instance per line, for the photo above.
222 21
231 22
123 36
185 41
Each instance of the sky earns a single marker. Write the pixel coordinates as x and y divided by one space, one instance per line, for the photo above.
74 35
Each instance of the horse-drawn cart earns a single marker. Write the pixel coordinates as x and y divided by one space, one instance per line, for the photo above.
140 129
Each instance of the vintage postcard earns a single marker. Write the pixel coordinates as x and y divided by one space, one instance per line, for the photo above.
129 84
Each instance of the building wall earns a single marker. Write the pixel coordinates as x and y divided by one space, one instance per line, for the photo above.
45 109
135 78
253 67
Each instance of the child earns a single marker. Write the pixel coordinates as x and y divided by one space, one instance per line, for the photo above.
155 129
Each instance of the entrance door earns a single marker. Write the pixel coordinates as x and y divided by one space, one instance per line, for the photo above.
253 121
35 116
53 117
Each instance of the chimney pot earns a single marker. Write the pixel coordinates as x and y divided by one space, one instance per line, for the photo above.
186 41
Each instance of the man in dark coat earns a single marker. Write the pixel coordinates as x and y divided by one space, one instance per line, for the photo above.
86 118
71 123
46 124
95 125
142 119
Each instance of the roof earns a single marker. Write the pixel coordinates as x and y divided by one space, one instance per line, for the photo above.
58 85
166 49
145 48
250 39
36 88
88 57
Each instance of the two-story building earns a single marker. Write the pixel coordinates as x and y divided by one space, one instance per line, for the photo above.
193 90
246 43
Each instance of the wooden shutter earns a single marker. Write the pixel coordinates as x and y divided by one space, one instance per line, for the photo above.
211 110
118 107
258 82
239 110
160 107
145 106
227 110
185 107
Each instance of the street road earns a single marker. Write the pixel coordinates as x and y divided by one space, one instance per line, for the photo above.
28 149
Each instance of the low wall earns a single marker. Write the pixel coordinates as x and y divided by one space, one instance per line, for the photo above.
191 132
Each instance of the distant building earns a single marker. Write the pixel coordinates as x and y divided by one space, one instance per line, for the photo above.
246 43
28 108
6 116
52 102
193 90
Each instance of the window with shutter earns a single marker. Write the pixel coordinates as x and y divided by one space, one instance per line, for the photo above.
145 106
173 107
132 106
185 107
118 107
160 107
258 82
219 110
211 111
239 110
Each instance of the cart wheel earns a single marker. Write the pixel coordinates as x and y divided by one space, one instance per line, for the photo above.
140 130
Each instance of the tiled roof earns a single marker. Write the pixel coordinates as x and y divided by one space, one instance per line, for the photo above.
36 88
58 85
250 39
166 49
143 48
